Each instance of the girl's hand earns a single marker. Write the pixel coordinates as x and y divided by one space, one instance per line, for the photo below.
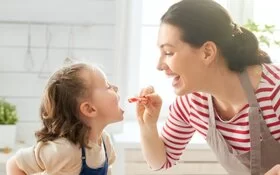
148 109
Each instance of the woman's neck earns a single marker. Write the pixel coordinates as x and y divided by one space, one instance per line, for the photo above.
229 96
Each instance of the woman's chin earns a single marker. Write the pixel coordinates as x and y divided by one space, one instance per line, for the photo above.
181 90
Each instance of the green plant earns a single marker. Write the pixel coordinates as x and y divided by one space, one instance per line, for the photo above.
8 115
264 33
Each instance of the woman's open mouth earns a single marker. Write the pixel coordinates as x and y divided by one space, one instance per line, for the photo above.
176 80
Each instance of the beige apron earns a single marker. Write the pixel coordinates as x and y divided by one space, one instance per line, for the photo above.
265 150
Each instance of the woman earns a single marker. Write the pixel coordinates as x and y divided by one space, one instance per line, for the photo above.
226 88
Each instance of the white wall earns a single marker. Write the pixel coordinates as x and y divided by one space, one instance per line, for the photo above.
96 29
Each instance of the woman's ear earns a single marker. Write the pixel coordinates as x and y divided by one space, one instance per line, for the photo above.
209 49
88 109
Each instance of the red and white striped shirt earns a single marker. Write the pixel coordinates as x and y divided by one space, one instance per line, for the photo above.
190 113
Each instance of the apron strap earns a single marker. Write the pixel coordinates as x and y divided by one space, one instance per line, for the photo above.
212 122
83 157
249 90
247 86
254 124
105 150
264 130
84 152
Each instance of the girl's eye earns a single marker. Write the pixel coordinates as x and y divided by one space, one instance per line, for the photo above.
115 88
109 86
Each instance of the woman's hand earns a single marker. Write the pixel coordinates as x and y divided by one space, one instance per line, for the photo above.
274 170
148 110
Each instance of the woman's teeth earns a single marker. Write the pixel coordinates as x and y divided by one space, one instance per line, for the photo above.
175 80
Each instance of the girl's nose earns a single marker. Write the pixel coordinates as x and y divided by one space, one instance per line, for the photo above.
116 89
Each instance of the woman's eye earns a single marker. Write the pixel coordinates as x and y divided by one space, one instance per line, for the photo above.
168 53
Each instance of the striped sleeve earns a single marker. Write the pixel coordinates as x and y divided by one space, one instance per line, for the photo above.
177 131
273 121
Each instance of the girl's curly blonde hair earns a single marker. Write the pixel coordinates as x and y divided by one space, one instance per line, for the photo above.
59 109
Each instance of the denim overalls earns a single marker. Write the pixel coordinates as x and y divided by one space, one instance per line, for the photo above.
90 171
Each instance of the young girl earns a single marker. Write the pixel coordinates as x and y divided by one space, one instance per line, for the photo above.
78 103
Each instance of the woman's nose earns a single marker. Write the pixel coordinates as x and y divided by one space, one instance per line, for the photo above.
161 66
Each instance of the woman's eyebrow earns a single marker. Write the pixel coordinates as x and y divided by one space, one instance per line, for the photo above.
166 44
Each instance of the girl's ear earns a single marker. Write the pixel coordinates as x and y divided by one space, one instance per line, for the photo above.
88 110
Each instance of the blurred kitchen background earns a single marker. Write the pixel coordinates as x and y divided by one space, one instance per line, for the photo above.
120 36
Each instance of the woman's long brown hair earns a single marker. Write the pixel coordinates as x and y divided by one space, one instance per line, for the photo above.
59 109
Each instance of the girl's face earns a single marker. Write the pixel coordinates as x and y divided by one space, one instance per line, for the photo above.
180 61
104 99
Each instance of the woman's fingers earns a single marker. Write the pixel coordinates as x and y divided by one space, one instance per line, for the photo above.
147 90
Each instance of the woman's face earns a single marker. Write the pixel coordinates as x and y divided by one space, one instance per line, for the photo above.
180 61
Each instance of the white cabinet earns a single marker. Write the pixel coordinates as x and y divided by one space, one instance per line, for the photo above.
196 159
192 162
